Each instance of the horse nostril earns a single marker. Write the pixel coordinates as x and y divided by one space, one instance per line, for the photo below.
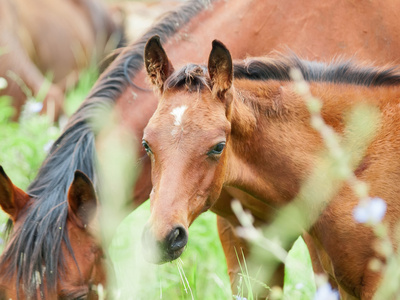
168 249
177 239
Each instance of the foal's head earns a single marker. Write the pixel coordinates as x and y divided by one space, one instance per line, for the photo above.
187 141
81 268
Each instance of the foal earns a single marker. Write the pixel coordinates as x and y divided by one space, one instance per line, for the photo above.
212 131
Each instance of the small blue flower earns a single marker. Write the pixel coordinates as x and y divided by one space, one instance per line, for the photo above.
299 286
325 292
371 211
34 107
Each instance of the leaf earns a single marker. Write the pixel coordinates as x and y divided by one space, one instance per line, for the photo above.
299 283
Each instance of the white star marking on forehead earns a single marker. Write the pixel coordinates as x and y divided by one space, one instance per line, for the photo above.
178 112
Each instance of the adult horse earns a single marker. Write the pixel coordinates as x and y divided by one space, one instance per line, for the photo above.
211 130
185 30
57 39
82 256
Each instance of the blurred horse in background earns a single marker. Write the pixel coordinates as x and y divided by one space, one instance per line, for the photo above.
80 267
138 16
314 30
44 44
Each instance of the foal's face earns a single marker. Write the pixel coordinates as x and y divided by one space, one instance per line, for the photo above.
187 140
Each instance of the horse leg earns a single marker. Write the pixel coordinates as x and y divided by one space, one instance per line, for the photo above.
316 260
371 283
237 254
234 249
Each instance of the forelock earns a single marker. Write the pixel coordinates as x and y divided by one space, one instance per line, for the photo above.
192 77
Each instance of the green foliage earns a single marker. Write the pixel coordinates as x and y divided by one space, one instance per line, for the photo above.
76 95
24 145
299 283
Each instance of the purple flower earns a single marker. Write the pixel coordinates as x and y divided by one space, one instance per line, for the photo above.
370 211
325 292
34 107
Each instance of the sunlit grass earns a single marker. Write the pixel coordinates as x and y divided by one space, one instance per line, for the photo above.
75 96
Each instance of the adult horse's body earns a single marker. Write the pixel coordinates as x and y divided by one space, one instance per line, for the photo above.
246 30
210 131
51 38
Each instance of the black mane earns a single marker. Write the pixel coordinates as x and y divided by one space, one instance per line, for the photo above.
194 77
337 71
35 248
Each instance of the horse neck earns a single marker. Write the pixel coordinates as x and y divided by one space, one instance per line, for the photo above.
273 146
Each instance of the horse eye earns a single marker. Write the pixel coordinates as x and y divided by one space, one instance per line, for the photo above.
217 149
146 147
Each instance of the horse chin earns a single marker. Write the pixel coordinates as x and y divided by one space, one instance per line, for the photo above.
170 256
176 254
160 257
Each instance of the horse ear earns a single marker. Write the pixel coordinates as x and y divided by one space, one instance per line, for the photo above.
156 61
220 68
12 199
82 202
